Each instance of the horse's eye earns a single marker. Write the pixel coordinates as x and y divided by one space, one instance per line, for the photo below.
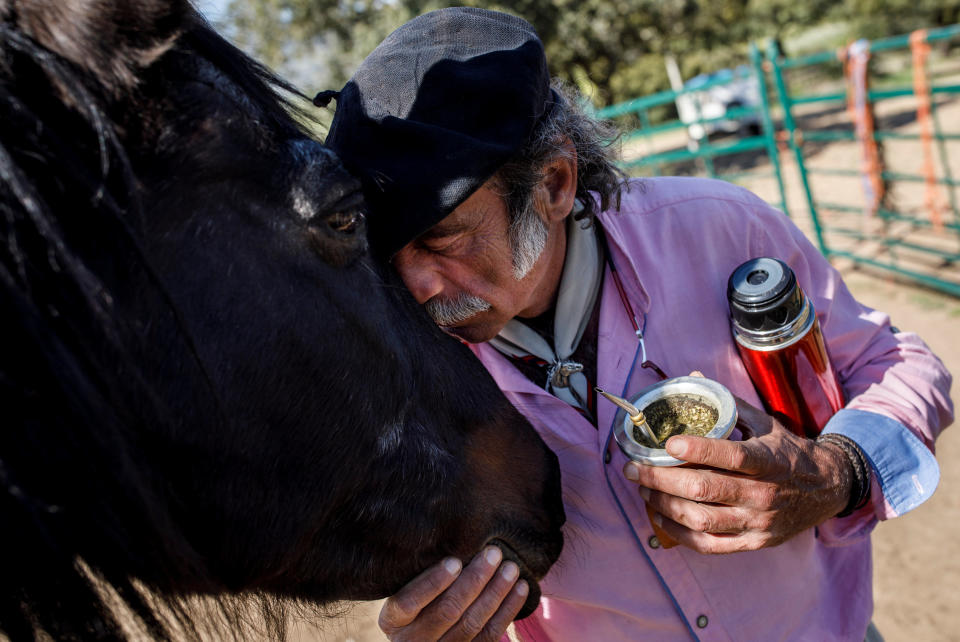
345 222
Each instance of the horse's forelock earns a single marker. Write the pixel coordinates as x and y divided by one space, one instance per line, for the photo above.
112 41
249 82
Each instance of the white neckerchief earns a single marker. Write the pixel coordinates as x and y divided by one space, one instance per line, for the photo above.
575 299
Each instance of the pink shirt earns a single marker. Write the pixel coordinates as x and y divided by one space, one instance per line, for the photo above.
675 241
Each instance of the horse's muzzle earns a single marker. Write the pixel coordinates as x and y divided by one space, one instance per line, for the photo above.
532 571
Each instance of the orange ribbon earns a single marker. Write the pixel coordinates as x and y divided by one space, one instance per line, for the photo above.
933 199
855 60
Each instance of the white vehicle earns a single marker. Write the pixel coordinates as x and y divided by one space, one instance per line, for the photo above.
737 88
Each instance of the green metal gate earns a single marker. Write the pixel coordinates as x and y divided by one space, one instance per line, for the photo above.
900 237
634 118
890 202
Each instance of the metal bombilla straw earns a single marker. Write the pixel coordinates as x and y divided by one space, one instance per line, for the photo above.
635 416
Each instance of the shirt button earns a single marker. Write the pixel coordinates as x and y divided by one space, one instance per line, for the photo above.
606 457
702 621
654 542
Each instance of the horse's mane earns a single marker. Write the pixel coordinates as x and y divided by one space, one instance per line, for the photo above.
71 386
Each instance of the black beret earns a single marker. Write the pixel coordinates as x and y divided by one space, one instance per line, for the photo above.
434 111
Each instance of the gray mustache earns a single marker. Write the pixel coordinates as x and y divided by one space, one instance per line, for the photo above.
447 312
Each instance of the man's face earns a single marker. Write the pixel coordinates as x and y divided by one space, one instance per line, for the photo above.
462 270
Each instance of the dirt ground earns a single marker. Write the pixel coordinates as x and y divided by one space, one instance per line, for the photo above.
916 568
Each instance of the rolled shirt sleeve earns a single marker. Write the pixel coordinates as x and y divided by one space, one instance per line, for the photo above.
903 467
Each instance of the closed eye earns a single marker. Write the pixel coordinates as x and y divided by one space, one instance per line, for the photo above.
443 245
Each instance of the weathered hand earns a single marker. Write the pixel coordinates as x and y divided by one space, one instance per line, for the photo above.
745 495
444 604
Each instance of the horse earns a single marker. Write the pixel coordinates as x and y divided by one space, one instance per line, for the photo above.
209 387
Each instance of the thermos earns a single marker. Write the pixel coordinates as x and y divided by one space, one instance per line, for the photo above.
779 339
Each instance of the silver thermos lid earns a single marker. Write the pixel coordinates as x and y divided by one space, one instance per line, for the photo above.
763 295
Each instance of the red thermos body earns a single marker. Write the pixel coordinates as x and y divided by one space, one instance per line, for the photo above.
779 339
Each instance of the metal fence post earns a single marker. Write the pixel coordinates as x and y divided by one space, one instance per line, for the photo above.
773 57
769 132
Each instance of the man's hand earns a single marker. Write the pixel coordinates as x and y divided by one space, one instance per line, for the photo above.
444 604
745 495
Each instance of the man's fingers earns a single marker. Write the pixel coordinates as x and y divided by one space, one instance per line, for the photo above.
401 609
504 616
445 611
700 517
478 615
738 456
479 603
713 543
703 485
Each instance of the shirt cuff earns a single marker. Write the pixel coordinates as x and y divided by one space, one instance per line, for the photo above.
907 471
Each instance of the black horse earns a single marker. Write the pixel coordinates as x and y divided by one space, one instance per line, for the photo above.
207 386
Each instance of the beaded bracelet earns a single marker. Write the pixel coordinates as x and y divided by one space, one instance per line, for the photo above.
860 486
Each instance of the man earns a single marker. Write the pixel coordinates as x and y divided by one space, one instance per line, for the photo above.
496 201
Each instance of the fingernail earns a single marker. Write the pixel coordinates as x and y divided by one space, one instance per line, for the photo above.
696 373
493 555
676 447
657 520
509 571
630 472
452 565
521 588
645 493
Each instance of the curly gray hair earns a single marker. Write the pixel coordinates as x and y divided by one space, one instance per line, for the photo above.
593 142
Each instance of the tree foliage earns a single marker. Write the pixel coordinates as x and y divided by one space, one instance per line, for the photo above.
612 49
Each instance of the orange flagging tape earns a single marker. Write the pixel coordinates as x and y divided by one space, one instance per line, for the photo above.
855 59
921 89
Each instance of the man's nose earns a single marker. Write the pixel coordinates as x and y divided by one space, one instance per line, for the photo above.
418 274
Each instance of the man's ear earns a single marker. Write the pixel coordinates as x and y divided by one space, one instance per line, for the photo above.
112 40
555 192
